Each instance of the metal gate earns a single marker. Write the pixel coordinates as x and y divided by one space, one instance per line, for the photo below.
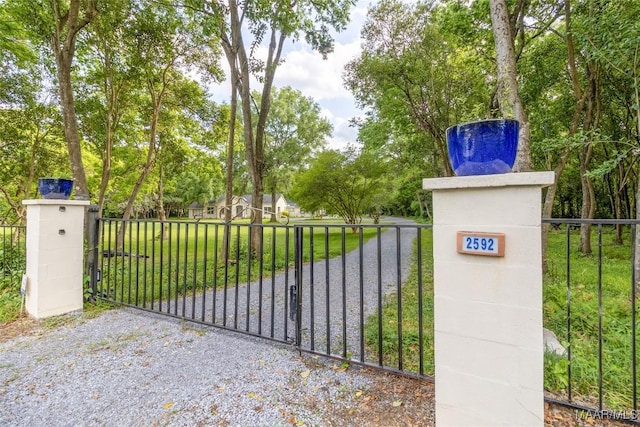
363 293
335 290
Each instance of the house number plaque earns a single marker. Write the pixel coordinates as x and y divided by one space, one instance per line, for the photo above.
476 243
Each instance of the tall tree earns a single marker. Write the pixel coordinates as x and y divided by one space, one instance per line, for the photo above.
57 24
275 22
164 42
507 87
294 131
108 89
415 80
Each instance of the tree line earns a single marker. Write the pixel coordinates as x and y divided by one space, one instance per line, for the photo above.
426 66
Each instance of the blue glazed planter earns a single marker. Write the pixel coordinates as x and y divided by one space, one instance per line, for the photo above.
484 147
55 188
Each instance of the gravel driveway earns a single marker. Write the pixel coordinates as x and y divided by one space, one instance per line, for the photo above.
129 368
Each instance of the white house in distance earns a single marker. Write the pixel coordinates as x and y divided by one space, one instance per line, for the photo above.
240 207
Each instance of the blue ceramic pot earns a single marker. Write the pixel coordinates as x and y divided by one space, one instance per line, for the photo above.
55 188
484 147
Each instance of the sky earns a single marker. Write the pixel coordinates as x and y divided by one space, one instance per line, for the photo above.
305 70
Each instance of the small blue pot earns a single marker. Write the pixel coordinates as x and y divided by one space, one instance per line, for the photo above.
55 188
484 147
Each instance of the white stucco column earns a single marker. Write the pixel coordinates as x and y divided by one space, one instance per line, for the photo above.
488 306
54 256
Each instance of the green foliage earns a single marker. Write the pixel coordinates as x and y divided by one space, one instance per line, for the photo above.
418 286
555 371
294 131
585 293
344 183
416 78
12 267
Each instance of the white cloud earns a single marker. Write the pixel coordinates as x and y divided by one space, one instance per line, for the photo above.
318 78
321 79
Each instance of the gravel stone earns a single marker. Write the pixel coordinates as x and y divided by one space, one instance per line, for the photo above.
128 367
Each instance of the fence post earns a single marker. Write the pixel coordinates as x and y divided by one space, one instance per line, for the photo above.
488 299
92 229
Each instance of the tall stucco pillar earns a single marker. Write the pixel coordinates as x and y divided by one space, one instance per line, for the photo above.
488 299
54 256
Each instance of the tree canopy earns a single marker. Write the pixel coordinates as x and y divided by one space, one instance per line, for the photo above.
118 91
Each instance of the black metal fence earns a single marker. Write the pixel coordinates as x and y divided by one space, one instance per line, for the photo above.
364 294
12 257
590 303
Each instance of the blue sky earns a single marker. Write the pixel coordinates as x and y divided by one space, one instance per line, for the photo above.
305 70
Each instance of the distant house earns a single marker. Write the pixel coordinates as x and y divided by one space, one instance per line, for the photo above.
195 210
240 207
294 210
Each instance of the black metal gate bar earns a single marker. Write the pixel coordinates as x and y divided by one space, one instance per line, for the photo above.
380 295
600 395
361 292
327 289
568 302
297 291
634 372
420 308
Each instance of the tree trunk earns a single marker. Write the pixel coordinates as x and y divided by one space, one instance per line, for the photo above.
231 52
617 203
162 215
146 170
228 214
273 204
508 95
587 210
580 97
71 133
67 26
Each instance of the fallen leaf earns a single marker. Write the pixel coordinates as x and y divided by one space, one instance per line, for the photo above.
168 405
358 393
305 374
396 403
